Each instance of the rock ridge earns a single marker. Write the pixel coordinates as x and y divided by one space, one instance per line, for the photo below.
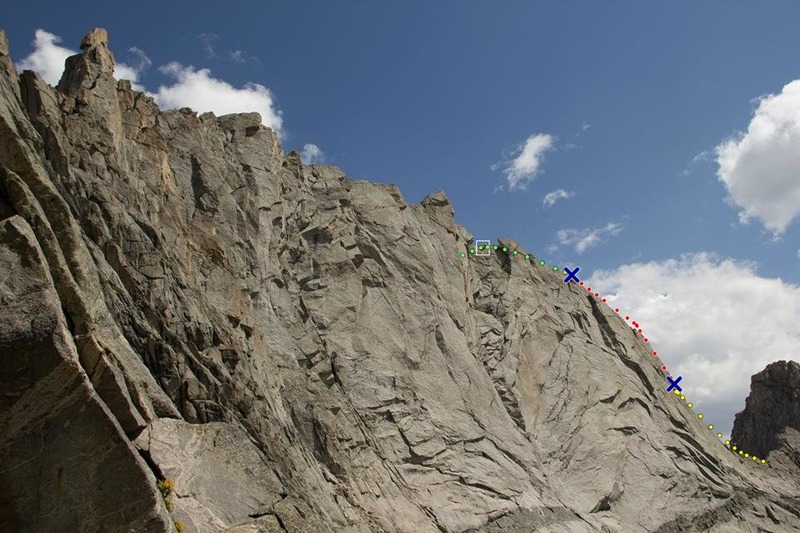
299 351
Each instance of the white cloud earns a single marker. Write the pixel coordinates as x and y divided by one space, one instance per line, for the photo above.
140 64
578 136
208 43
123 71
202 92
47 57
211 41
705 156
761 167
584 239
311 154
553 196
713 321
144 61
527 160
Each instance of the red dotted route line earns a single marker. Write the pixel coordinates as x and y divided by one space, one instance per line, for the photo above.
638 328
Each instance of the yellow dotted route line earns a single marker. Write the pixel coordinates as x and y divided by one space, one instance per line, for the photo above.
474 252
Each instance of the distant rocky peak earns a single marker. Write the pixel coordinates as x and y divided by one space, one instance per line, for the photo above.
94 64
772 408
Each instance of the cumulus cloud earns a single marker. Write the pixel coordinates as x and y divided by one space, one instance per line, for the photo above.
526 161
585 238
202 92
47 57
713 321
311 154
760 168
553 196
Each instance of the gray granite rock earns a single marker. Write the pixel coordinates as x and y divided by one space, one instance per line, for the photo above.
221 478
301 351
65 463
769 425
772 407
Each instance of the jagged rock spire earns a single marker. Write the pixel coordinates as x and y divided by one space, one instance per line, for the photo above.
93 63
5 62
772 406
96 37
3 43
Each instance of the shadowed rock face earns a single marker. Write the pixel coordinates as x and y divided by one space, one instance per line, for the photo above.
771 417
299 351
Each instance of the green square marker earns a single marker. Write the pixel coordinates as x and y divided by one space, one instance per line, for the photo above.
515 252
472 250
555 269
527 256
495 247
541 262
463 254
505 249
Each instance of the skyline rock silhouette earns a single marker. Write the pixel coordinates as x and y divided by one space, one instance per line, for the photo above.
301 351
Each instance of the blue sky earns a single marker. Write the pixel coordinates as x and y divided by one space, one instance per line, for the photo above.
638 111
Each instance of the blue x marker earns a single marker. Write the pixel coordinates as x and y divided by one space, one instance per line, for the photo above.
673 383
571 275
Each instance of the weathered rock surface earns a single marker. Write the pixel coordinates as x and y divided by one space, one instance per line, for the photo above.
770 421
299 351
222 478
61 449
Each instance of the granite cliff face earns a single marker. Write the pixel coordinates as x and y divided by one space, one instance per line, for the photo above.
298 351
770 421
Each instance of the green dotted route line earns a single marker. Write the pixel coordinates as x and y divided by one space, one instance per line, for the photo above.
504 249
